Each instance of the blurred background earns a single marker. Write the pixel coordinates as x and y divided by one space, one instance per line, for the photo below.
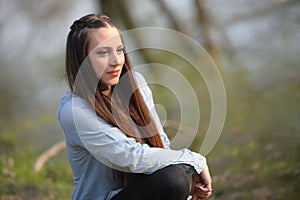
255 45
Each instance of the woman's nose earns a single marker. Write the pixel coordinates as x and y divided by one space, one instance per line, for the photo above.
116 59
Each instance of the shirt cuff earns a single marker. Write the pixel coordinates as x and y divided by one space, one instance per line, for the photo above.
189 170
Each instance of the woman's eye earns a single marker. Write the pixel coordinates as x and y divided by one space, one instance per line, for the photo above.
102 53
120 50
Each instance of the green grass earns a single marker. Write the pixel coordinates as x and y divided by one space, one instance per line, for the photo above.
258 154
19 180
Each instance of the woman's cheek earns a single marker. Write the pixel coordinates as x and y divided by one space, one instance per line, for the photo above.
99 71
99 67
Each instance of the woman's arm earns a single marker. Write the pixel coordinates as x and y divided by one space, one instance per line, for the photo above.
201 185
113 148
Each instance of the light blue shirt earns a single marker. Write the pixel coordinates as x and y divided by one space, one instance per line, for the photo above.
94 148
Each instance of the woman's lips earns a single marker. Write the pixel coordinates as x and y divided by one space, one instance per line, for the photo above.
114 72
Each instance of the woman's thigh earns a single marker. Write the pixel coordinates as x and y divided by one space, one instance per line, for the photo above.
169 183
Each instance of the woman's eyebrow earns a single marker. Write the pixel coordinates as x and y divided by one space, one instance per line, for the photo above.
102 48
107 48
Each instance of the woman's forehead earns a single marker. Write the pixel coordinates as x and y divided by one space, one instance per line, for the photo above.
104 37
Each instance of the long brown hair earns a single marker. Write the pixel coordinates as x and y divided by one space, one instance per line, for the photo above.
81 83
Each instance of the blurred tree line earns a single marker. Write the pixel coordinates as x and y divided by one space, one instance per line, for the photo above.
255 44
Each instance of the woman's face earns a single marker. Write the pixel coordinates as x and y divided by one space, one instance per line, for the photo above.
106 54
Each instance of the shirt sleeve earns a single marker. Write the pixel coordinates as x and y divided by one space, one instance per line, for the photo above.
113 148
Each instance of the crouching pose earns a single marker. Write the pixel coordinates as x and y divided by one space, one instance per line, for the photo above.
115 143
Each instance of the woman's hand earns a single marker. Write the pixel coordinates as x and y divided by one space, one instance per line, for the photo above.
201 186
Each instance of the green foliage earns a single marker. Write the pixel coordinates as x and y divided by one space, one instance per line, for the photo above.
258 155
17 158
19 180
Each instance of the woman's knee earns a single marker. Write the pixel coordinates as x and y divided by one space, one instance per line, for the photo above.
175 174
175 180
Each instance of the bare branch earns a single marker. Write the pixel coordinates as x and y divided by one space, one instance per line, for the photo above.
47 155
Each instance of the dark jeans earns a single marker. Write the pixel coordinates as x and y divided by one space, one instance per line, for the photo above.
169 183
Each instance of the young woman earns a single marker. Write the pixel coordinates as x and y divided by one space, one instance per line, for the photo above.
115 144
